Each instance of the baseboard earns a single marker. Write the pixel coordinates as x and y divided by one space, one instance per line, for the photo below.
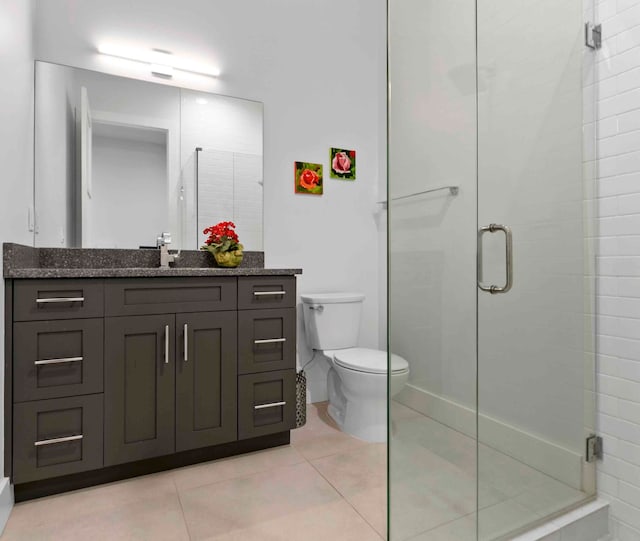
6 502
556 461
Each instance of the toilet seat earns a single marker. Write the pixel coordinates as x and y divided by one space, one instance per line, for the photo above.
370 361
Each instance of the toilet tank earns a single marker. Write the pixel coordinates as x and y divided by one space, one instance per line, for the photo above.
332 320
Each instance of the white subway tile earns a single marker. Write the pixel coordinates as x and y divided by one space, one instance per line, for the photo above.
625 532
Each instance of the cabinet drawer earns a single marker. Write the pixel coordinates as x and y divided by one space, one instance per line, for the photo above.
57 437
169 295
266 403
52 359
57 299
266 292
266 340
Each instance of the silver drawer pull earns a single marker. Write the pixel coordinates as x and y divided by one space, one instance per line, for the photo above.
58 361
59 299
270 341
186 342
272 405
58 440
166 344
261 293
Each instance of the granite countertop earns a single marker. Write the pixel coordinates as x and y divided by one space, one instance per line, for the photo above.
26 262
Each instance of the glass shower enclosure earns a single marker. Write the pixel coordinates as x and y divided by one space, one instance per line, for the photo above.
491 265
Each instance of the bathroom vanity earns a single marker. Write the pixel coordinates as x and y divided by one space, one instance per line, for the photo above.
116 368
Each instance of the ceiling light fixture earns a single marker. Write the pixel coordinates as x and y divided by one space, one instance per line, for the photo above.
162 63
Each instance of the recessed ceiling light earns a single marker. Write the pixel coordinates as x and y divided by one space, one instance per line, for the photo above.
201 101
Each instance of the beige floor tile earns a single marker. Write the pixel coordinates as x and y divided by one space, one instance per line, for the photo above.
463 529
355 471
502 519
152 518
400 412
335 521
228 468
549 497
321 437
508 475
247 502
70 507
372 506
360 476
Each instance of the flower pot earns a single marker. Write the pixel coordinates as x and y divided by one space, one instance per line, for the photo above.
227 259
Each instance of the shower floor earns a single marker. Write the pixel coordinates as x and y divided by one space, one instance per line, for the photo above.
434 485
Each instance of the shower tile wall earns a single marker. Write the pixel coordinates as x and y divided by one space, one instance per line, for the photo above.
618 132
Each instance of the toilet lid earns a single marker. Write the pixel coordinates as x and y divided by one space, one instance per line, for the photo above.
372 361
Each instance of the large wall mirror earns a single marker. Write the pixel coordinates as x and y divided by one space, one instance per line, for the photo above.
119 161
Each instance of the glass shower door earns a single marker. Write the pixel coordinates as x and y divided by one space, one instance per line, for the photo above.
535 263
491 267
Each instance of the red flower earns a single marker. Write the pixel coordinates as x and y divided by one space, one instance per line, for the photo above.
309 179
221 233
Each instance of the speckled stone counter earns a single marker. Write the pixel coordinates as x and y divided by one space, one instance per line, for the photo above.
21 261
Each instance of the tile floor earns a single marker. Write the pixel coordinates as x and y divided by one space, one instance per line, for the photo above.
325 486
434 485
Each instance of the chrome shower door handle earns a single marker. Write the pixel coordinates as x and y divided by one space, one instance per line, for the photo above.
493 289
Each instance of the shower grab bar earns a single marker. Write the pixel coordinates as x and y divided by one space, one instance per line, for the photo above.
453 190
508 258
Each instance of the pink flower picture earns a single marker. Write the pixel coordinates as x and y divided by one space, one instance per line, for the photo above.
343 164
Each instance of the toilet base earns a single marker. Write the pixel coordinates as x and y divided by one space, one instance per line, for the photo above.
361 417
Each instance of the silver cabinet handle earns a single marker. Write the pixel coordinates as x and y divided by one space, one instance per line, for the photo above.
58 440
166 344
186 342
59 299
58 361
270 341
272 405
261 293
508 258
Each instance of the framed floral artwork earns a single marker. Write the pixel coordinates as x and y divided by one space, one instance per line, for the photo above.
308 178
343 164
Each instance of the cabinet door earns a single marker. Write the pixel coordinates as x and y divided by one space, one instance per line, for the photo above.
206 384
139 387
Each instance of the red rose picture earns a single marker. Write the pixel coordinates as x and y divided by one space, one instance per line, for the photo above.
308 178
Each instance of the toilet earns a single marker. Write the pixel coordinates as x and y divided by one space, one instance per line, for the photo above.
357 379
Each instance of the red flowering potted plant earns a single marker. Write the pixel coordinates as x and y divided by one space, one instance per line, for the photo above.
222 241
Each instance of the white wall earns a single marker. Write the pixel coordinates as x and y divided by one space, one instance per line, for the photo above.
316 66
16 147
617 89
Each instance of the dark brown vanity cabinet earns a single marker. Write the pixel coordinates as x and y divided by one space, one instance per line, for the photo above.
139 380
206 376
116 373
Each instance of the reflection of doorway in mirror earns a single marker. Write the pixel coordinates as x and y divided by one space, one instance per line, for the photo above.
129 184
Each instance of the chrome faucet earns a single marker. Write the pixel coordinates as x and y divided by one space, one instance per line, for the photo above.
162 242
